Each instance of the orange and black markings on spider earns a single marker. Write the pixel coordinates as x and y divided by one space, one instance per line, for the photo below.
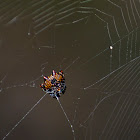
54 84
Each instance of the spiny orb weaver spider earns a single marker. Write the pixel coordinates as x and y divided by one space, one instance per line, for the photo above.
54 84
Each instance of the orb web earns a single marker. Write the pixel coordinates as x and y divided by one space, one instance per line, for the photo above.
96 44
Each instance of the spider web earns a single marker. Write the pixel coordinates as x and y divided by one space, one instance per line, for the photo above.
97 46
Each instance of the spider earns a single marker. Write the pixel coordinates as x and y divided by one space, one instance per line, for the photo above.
54 84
